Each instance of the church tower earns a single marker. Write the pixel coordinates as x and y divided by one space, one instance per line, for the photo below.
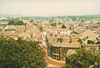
19 17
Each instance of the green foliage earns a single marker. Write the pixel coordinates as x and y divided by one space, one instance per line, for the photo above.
31 20
53 24
21 54
50 21
41 28
70 28
84 59
19 23
35 24
59 23
73 17
90 42
63 26
82 20
11 22
0 29
98 42
80 41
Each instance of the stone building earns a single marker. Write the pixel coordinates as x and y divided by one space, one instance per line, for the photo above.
58 47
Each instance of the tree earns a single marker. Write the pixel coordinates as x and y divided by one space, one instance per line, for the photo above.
80 41
50 21
21 54
59 23
11 22
82 20
31 20
98 42
90 42
19 23
41 28
63 26
0 29
53 24
84 59
70 28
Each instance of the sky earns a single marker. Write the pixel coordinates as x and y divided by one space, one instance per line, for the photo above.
49 7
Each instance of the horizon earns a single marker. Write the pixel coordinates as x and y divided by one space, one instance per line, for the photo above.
49 8
48 16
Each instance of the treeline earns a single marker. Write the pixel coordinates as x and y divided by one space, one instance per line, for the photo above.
54 24
21 54
12 22
84 59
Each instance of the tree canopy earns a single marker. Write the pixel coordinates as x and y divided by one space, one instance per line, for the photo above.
80 41
53 24
19 23
12 22
63 26
50 21
59 23
84 59
20 54
90 42
31 20
98 42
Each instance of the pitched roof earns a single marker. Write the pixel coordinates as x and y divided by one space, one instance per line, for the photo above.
66 44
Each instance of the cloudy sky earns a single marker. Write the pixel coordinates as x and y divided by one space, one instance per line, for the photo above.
49 7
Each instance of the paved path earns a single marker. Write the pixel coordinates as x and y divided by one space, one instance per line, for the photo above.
52 63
